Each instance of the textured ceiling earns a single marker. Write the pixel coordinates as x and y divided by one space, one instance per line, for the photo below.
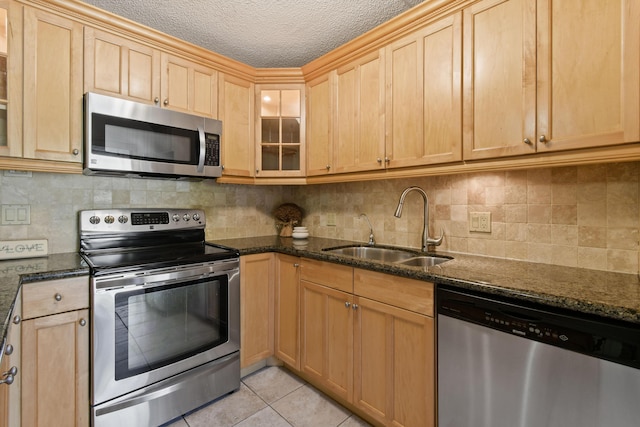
261 33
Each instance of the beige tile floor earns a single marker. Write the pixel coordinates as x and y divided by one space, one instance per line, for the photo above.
272 397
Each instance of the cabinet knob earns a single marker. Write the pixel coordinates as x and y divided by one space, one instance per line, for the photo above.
355 306
58 297
9 376
527 141
379 160
75 151
17 319
347 304
166 101
156 100
387 159
328 167
83 322
543 139
8 349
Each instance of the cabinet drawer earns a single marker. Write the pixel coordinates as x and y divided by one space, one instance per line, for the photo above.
414 295
335 276
55 296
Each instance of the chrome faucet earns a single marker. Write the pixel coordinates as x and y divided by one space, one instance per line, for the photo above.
372 240
426 240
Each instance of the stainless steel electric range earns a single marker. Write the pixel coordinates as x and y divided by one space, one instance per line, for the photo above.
165 315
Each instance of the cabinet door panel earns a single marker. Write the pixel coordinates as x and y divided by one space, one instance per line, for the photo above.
117 66
287 338
52 87
499 78
55 382
257 302
319 122
588 73
327 337
236 113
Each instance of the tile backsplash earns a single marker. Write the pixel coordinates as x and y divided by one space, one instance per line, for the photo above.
585 216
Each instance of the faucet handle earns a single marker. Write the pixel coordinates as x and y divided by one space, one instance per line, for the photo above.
435 242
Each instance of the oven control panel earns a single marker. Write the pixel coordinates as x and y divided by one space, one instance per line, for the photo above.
124 220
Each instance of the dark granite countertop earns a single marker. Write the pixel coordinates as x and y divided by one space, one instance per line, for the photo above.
612 295
15 272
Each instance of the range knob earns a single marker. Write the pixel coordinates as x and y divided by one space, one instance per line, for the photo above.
109 219
186 217
196 217
94 220
123 219
176 217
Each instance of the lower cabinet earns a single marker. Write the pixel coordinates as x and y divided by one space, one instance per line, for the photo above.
55 353
367 338
11 371
256 302
287 310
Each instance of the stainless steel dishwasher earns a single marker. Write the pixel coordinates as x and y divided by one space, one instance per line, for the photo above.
502 363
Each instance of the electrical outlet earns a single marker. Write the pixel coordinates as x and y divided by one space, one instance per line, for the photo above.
331 219
480 222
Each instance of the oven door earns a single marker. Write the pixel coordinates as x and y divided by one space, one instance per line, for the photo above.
174 321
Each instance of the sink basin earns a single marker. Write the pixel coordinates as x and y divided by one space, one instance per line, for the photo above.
423 261
373 253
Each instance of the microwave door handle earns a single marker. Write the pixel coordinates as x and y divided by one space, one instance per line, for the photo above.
202 150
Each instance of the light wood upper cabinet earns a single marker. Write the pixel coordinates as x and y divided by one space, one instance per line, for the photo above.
423 95
257 280
236 98
550 75
11 86
188 86
52 111
280 136
319 125
117 66
588 73
359 115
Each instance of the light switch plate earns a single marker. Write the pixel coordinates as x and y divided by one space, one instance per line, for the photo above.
16 214
331 219
480 222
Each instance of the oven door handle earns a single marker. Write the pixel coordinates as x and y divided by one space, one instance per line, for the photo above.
203 149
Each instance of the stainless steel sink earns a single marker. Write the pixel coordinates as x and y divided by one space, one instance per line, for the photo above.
373 253
423 261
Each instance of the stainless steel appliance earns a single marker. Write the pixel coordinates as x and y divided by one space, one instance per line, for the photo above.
165 315
125 138
507 364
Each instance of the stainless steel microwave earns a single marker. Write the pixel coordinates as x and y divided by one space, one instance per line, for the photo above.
125 138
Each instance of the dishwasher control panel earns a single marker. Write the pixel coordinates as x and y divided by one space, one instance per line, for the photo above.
602 338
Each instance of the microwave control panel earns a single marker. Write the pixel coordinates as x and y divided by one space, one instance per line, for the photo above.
212 150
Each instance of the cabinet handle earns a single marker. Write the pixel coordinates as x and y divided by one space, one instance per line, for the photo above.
9 376
387 160
75 151
328 167
379 160
16 319
296 265
347 304
58 297
166 101
527 141
156 100
82 322
355 306
8 349
543 139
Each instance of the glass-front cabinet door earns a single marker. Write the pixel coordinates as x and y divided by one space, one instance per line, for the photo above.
280 131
